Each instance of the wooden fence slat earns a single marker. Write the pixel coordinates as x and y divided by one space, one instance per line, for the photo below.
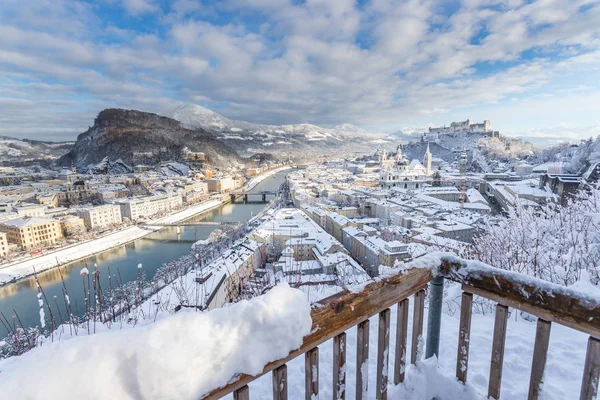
311 374
383 350
591 371
464 337
540 352
401 338
280 390
498 351
417 329
362 359
339 367
242 393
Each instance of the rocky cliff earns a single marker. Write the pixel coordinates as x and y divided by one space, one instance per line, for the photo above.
137 137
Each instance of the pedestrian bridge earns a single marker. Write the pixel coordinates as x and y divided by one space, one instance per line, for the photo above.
252 197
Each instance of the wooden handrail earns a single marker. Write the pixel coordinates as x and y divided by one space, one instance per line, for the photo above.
340 312
332 316
543 299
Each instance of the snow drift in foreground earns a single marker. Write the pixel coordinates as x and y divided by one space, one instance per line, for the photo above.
179 357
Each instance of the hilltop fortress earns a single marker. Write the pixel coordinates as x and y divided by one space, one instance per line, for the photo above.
466 127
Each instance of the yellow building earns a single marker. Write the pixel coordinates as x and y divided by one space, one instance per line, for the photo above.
72 225
47 199
3 245
31 232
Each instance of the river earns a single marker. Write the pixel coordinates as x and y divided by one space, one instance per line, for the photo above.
151 251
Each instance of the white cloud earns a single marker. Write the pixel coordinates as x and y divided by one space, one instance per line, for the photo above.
384 64
139 7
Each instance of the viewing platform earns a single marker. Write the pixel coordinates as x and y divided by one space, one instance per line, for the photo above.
333 316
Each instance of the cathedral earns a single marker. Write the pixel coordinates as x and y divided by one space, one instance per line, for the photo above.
398 172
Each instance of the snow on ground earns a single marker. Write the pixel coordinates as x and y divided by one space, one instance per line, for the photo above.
425 381
81 250
181 356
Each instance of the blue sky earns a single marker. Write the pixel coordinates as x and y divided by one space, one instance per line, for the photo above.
531 67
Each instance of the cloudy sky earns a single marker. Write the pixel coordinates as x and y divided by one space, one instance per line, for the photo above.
531 67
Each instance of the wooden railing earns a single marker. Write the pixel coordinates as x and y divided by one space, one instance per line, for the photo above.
336 314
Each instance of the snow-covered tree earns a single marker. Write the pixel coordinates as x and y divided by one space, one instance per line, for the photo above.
560 244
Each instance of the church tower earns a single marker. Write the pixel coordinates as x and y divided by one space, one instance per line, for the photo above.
463 162
399 153
427 161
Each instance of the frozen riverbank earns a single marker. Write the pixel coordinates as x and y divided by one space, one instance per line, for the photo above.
78 251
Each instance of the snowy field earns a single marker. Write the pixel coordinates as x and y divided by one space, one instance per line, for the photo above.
78 251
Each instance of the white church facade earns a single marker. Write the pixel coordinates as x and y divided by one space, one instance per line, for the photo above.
399 172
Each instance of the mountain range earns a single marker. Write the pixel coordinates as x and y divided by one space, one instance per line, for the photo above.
24 151
301 141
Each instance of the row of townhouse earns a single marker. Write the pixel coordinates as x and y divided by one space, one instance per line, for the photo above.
147 206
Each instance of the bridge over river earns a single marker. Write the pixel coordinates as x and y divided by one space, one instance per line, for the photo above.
245 195
197 223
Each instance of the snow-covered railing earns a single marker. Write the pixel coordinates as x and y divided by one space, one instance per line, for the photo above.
333 316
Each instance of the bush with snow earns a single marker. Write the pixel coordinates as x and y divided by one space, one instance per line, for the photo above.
560 244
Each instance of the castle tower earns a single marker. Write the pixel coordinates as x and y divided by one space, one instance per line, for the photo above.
463 162
427 161
73 167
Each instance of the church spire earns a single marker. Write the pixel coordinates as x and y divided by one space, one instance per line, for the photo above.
427 160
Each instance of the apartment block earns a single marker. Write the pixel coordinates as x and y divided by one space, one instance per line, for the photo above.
31 232
3 245
101 217
148 206
220 184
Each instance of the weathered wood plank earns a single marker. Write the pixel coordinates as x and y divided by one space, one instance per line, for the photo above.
417 329
545 300
591 371
280 390
383 350
498 351
340 312
464 337
401 339
242 393
540 352
339 367
362 360
311 374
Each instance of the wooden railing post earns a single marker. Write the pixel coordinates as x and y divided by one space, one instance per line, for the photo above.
417 329
498 351
464 337
591 371
383 350
401 338
339 367
540 352
362 358
280 391
311 374
242 393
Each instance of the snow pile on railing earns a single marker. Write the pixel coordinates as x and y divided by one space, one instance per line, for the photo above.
179 357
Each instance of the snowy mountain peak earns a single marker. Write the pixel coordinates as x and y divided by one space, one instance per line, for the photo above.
193 116
249 138
350 128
